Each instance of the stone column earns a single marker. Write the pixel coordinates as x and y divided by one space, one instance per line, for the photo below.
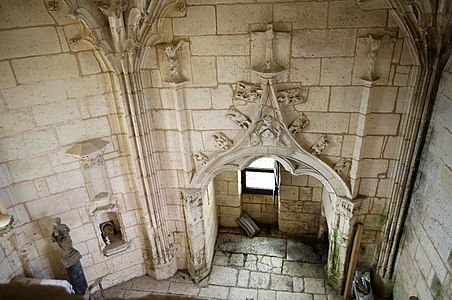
198 266
341 240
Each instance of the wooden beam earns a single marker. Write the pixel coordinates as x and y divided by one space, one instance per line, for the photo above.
353 260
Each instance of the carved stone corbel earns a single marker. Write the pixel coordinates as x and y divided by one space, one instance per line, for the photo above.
299 124
222 141
320 145
243 121
192 198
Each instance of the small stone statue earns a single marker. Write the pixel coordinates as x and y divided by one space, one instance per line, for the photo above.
60 235
173 61
70 257
372 57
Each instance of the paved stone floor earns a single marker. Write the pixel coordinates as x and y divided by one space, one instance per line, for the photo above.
262 268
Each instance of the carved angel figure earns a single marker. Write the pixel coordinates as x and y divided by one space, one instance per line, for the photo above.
372 57
173 60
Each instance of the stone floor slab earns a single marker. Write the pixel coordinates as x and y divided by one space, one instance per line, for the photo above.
293 296
225 276
214 292
298 251
148 284
244 278
294 268
242 294
135 294
257 245
220 259
314 285
266 295
181 288
259 280
298 284
236 260
281 282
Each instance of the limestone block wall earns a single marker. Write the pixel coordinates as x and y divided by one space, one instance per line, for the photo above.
424 265
55 92
325 49
300 205
261 208
228 198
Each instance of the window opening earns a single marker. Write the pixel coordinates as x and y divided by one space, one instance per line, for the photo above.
260 177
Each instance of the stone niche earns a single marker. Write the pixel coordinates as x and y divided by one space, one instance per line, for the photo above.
102 206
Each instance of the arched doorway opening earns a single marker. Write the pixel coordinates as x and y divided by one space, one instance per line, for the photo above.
206 209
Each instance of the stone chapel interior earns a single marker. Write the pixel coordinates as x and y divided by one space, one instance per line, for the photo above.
150 127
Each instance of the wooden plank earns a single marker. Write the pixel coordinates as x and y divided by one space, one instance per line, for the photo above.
353 260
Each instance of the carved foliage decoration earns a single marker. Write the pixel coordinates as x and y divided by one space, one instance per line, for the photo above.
112 8
290 97
342 167
247 92
320 145
222 141
201 158
239 118
299 124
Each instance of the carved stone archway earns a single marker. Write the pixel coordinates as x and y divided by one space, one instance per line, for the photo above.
267 134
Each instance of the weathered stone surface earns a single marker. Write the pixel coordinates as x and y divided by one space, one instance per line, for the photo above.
281 282
336 71
236 18
314 285
324 43
24 14
220 45
302 14
233 69
29 42
257 245
307 71
225 276
204 71
200 20
293 268
299 251
46 68
344 14
259 280
345 99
